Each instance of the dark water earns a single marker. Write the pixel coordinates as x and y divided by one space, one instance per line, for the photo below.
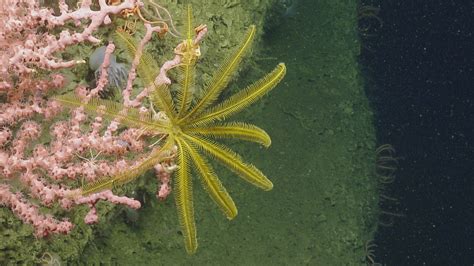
421 63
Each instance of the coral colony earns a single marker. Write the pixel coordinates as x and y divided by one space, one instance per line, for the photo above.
28 47
48 153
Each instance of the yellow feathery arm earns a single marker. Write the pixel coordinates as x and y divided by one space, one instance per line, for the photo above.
186 81
188 17
236 130
121 178
112 110
242 99
233 161
183 195
186 68
223 74
212 184
161 98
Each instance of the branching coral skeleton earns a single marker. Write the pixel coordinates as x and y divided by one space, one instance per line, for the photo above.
47 171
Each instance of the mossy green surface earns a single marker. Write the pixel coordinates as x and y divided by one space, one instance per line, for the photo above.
323 207
324 202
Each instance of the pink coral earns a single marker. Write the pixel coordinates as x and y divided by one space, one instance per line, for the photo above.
47 170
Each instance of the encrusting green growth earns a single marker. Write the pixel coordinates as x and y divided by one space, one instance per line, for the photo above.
191 126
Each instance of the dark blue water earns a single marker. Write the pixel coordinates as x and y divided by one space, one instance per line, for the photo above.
423 91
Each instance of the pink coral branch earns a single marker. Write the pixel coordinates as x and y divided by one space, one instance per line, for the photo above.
162 78
107 195
164 177
136 60
28 213
29 50
104 75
